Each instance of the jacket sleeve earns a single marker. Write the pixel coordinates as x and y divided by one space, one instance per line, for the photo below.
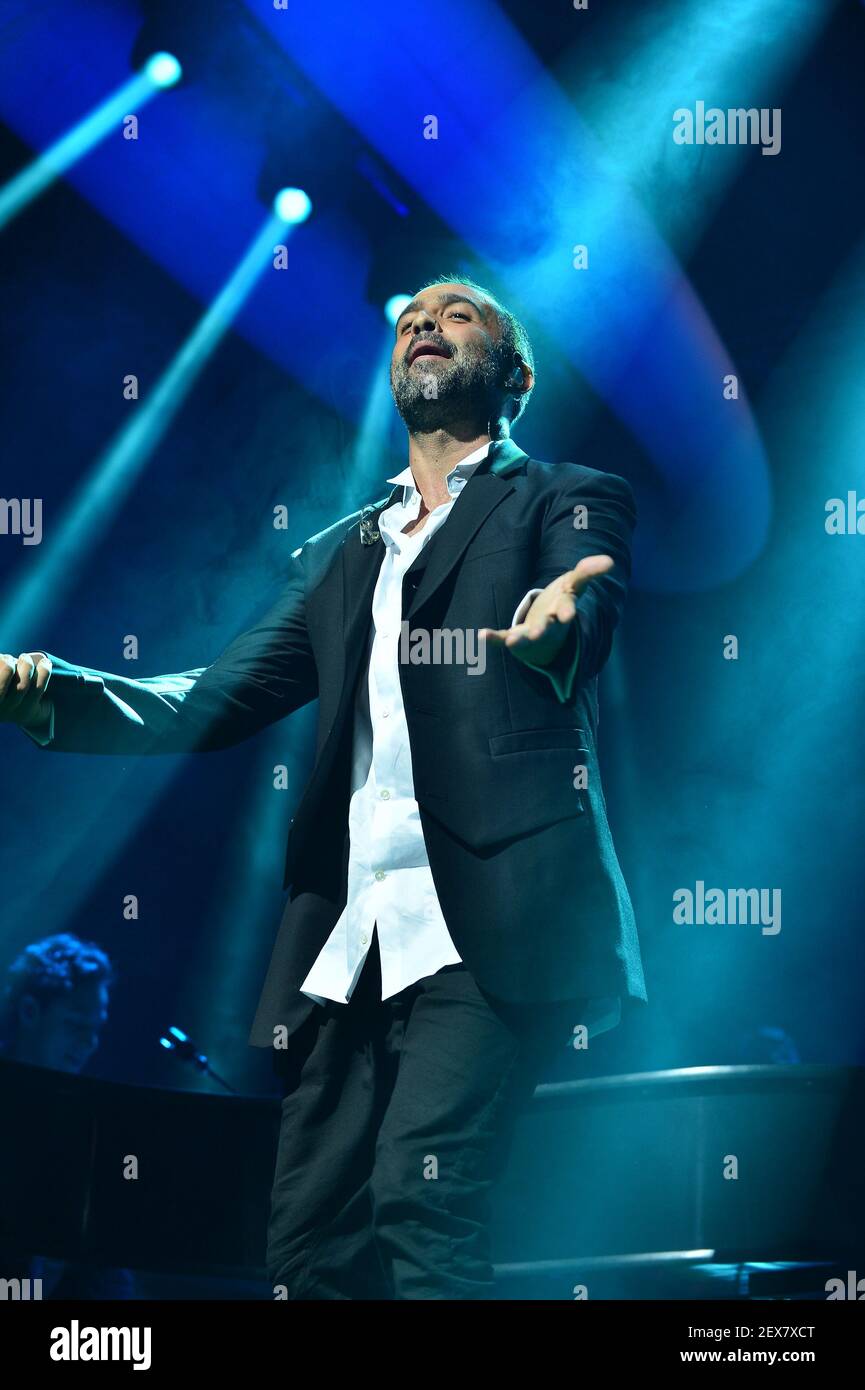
263 675
593 514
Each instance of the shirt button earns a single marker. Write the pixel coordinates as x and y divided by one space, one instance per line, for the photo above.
380 874
364 940
385 795
385 714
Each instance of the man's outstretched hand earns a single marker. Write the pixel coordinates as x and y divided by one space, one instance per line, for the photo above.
23 682
538 639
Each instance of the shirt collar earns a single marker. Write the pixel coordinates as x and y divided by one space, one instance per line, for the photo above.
458 476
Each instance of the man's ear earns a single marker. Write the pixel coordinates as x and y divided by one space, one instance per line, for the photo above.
523 376
519 383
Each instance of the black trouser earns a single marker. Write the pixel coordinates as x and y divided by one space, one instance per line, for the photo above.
396 1123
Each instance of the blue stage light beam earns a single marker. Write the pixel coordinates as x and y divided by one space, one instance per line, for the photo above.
161 71
690 52
101 494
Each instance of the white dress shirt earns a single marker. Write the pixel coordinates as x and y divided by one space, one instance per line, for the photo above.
390 884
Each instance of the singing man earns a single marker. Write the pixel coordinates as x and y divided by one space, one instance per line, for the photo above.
456 908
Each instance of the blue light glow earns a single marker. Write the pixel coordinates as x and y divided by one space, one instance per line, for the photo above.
395 306
163 69
292 205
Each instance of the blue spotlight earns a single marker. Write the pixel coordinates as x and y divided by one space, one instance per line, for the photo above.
163 69
395 306
292 205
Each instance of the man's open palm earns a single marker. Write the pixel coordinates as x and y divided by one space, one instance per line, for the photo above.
540 636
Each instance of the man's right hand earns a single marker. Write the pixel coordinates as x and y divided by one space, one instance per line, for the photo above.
23 683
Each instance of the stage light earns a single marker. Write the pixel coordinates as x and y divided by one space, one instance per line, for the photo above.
292 205
395 306
163 69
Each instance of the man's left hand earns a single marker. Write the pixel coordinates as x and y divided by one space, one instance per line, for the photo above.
538 639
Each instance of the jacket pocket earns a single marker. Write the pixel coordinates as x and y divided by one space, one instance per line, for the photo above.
535 740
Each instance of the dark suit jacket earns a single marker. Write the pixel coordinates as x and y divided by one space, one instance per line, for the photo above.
523 864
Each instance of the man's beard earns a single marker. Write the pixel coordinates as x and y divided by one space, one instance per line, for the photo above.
462 390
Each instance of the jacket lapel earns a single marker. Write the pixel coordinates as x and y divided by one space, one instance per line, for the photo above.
488 485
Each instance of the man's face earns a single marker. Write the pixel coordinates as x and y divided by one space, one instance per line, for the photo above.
64 1033
449 362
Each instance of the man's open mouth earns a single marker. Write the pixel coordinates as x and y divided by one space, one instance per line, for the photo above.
426 350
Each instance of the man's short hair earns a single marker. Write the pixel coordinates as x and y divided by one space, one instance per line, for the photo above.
514 335
47 970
